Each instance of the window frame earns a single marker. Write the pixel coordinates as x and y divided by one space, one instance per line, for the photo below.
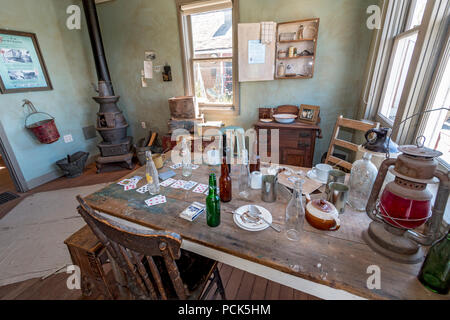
425 57
404 16
185 29
444 59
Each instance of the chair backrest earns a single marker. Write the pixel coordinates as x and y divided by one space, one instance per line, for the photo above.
335 141
132 246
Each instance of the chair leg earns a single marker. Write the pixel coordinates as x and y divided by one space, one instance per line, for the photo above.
208 289
220 288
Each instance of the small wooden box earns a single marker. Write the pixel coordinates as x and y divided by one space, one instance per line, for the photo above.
183 108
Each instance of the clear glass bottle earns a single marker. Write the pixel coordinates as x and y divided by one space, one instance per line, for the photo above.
151 174
295 211
186 159
244 176
362 178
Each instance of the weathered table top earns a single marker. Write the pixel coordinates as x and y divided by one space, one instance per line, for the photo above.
338 260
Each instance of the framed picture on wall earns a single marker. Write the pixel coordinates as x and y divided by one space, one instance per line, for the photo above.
309 114
22 67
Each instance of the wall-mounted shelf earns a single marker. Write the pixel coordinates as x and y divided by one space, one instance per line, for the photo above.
297 57
306 35
298 40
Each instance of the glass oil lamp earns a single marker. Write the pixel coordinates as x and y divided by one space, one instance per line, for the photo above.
405 205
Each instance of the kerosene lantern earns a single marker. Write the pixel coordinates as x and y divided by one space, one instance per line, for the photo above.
404 218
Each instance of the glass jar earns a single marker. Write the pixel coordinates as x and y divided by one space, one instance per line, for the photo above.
362 178
151 175
295 211
186 159
244 176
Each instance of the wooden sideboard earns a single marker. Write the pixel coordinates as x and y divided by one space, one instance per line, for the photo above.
297 142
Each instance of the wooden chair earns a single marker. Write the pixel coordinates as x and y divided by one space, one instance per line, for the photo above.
335 141
148 264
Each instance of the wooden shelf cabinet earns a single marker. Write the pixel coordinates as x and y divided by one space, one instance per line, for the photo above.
302 66
297 142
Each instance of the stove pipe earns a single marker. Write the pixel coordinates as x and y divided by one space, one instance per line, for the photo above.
90 10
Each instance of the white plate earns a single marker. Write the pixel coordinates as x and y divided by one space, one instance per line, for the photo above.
259 226
314 177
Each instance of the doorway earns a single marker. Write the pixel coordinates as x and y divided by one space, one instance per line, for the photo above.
11 177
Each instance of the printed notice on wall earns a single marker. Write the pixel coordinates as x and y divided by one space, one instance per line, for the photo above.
148 69
256 52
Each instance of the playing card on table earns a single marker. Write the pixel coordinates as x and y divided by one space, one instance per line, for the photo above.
125 182
143 189
189 185
155 200
200 188
178 185
176 166
130 186
136 179
167 182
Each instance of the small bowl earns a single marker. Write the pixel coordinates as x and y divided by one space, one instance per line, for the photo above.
285 118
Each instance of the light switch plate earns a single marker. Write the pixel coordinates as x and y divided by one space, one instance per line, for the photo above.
68 138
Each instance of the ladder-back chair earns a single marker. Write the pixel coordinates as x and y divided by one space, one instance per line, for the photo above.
149 264
335 141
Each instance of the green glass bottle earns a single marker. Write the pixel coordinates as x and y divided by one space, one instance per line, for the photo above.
435 273
213 203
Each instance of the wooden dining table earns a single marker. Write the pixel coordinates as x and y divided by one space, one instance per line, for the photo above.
328 265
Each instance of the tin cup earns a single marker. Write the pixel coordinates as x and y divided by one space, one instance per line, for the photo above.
334 176
338 195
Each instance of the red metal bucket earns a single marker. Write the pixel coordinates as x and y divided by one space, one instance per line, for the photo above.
44 130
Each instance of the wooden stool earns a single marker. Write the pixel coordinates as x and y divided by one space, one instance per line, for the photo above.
89 255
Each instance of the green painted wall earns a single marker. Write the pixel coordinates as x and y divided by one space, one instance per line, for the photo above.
71 72
132 26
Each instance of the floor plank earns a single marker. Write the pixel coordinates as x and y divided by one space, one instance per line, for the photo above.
246 287
259 289
273 291
233 284
286 293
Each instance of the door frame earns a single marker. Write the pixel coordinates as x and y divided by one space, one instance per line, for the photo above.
11 162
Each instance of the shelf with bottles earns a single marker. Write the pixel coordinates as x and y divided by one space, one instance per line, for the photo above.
297 40
295 69
296 48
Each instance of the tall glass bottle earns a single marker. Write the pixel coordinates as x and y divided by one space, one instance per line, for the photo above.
435 272
151 174
225 183
362 178
244 176
186 159
212 203
295 211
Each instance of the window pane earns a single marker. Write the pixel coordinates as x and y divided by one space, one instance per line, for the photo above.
397 76
212 34
214 81
437 130
416 14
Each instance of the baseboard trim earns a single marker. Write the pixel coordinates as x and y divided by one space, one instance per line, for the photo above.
53 175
